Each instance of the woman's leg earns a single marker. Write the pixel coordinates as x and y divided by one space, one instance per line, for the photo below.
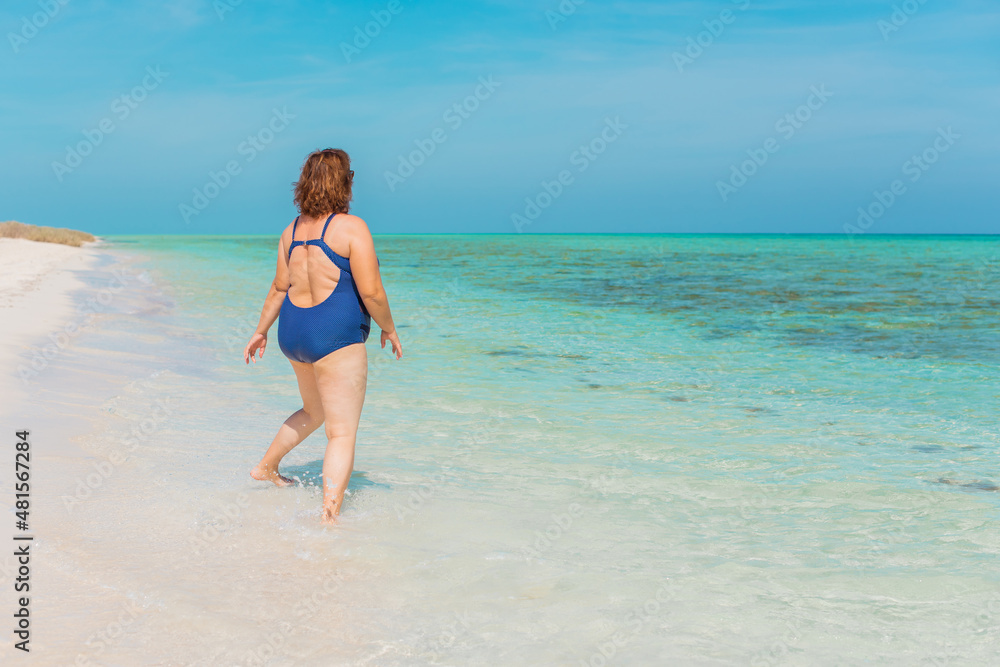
295 429
342 377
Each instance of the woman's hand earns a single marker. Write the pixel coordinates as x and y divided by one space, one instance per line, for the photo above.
397 347
257 342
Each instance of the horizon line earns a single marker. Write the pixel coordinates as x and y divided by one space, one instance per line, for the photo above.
630 234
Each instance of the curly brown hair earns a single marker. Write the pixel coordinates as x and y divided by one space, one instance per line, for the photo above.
325 184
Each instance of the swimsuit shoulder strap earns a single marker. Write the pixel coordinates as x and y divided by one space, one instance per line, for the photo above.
291 246
322 234
339 261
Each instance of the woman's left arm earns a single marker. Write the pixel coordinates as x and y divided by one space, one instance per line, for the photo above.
272 306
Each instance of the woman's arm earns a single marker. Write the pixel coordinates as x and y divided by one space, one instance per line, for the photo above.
364 270
272 306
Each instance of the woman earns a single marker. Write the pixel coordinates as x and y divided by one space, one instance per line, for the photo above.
327 288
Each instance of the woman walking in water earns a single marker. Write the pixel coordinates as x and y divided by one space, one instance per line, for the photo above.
327 289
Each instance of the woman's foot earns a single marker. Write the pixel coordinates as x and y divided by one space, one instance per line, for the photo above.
330 514
266 474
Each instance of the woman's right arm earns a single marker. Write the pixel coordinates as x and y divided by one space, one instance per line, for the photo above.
272 306
364 270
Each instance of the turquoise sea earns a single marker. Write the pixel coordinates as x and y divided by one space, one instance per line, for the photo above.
597 450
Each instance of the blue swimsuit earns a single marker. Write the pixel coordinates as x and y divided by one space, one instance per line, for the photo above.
309 334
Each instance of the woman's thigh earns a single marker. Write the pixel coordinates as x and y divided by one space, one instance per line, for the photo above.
342 378
308 389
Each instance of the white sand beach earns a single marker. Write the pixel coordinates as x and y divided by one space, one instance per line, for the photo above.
37 307
36 281
60 381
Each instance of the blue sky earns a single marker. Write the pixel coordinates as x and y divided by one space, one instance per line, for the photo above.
666 137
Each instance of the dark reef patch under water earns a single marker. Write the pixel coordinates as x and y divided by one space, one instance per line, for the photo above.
888 297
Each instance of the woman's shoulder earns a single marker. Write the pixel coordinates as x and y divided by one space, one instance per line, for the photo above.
354 225
351 219
285 238
286 233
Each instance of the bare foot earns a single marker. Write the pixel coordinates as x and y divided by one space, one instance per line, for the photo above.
264 474
329 516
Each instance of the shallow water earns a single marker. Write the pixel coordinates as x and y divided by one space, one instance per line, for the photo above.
596 450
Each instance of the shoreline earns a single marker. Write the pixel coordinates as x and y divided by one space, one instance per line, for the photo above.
36 294
39 292
810 235
57 300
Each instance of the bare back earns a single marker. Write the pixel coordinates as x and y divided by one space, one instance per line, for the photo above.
312 277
